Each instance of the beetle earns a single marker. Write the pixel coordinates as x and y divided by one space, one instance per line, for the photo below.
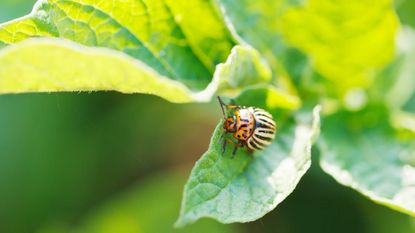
252 127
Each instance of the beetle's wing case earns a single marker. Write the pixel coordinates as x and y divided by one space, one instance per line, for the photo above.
244 113
264 131
245 124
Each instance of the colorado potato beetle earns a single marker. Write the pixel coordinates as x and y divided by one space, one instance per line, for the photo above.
250 126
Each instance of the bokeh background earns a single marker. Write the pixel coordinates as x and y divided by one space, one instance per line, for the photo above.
113 163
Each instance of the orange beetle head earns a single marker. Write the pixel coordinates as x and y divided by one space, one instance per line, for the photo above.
230 124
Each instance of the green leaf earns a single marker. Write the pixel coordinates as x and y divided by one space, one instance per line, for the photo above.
71 67
12 8
405 10
256 23
360 150
164 34
246 187
346 41
167 48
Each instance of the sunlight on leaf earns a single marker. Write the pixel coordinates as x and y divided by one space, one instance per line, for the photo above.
403 121
180 41
246 187
346 40
71 67
127 48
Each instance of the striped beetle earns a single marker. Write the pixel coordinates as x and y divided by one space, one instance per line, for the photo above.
252 127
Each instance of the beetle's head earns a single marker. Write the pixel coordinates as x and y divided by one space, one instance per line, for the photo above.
230 124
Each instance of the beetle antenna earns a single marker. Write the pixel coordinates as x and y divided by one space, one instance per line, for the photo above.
221 106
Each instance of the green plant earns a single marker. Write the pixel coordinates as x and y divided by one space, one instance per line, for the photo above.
354 59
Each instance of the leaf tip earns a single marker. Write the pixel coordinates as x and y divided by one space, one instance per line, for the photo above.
182 221
179 223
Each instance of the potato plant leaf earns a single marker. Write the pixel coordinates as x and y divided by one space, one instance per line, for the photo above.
71 67
343 38
360 150
182 52
246 187
256 22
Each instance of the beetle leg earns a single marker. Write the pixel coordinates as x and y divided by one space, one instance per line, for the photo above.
232 106
224 146
236 144
222 134
234 151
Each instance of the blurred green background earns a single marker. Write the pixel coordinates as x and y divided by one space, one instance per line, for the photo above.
109 162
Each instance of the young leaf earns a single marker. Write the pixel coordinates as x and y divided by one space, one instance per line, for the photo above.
246 187
167 48
360 150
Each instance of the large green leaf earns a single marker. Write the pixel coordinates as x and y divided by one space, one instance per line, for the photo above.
347 41
167 48
360 150
166 35
70 67
246 187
